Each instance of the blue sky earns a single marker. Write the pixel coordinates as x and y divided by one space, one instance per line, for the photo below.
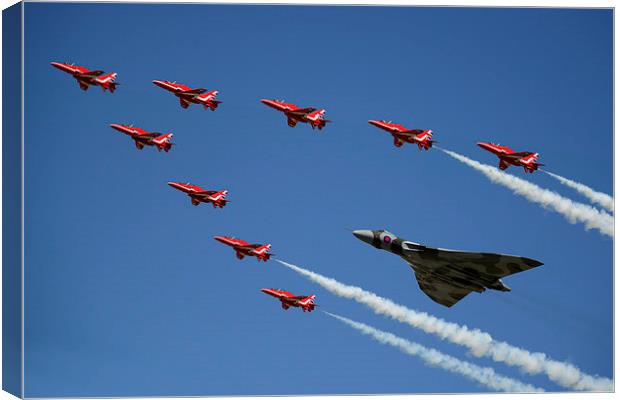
128 294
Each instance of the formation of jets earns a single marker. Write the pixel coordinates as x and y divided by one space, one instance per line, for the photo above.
446 276
315 117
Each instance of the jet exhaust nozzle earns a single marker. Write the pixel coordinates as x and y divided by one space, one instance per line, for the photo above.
499 285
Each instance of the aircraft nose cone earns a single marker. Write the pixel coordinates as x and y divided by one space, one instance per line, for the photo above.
58 65
364 235
220 239
119 128
270 103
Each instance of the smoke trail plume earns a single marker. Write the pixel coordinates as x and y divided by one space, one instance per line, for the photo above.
602 199
572 211
434 358
478 342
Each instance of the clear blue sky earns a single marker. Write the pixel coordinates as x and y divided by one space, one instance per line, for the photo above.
128 294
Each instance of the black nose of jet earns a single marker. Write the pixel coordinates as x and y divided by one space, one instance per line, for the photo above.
364 236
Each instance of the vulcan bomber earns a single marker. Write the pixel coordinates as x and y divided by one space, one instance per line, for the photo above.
446 276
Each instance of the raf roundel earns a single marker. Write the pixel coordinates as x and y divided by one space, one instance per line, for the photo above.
387 239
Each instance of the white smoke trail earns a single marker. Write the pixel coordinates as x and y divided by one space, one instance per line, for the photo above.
571 210
434 358
600 198
478 342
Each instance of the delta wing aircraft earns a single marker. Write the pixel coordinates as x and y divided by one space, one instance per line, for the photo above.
446 276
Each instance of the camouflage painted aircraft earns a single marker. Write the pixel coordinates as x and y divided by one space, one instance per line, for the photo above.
446 276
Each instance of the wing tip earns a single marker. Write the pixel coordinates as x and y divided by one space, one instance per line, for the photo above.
534 263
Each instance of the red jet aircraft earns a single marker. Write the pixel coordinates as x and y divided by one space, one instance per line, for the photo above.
86 77
199 195
143 138
294 114
403 135
243 248
288 299
508 157
188 95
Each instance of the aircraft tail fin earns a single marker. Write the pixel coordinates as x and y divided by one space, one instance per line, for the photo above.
262 252
164 142
107 78
208 100
209 95
308 303
107 81
318 115
317 119
219 198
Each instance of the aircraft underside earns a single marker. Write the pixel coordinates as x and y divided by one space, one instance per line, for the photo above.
447 282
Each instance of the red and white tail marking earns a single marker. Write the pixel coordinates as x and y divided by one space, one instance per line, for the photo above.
219 195
208 96
428 134
532 158
263 249
163 138
307 304
308 300
219 199
316 115
108 78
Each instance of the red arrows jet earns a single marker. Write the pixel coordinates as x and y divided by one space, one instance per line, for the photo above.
86 77
403 135
508 157
143 138
188 95
288 299
294 114
199 195
243 248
